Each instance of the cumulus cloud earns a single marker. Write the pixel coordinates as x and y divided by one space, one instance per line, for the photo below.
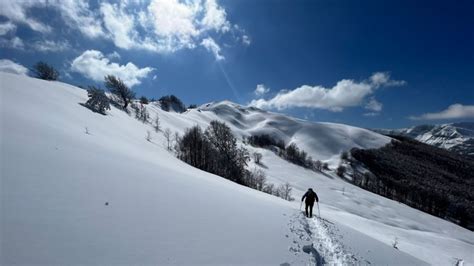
212 46
346 93
162 26
215 17
6 28
261 90
119 24
383 79
51 46
94 65
9 66
455 111
374 105
77 14
16 11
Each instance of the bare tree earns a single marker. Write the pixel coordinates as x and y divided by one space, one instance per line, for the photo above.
318 165
156 124
284 191
345 155
142 114
148 136
167 134
257 157
325 166
269 189
341 170
176 140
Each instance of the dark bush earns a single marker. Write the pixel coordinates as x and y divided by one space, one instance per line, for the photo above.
265 141
98 101
144 100
214 151
44 71
117 87
171 102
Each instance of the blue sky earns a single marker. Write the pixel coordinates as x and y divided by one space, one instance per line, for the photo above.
366 63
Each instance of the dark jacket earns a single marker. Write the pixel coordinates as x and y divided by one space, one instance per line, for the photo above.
310 196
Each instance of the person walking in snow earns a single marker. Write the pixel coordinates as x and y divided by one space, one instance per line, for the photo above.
310 196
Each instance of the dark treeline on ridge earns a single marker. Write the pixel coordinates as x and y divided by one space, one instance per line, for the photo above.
422 176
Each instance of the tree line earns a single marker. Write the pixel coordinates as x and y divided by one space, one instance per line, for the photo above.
422 176
215 150
291 153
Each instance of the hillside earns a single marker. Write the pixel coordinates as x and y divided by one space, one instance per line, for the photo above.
456 137
431 179
61 164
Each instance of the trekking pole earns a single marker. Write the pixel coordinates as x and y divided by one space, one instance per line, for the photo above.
301 204
319 214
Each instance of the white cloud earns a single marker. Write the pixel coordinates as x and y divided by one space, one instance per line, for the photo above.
16 11
15 43
455 111
113 55
374 105
371 114
383 79
94 65
212 46
346 93
215 17
119 24
6 28
246 40
261 90
12 67
51 46
161 26
78 15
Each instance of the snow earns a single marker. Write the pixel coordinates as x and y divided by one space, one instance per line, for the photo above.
56 179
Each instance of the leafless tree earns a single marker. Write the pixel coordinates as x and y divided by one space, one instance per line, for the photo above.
257 157
148 136
167 134
156 124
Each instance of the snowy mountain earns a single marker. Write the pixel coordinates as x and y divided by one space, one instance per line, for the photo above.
457 137
79 187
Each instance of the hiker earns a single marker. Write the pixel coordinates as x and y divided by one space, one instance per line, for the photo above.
310 196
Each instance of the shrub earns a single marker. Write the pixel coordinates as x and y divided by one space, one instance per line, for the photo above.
98 101
171 102
144 100
119 89
44 71
341 170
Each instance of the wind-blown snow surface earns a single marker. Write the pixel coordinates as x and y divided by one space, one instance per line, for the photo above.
55 180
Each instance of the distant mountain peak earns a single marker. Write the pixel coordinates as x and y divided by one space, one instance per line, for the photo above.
457 137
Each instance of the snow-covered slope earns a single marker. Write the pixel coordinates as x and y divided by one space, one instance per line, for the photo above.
323 141
56 179
457 137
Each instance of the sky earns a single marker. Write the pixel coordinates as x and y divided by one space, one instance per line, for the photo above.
377 64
